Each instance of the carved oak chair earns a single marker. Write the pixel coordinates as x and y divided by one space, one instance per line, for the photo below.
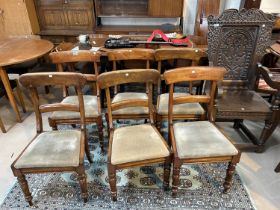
54 151
121 59
92 102
236 41
136 145
182 111
198 141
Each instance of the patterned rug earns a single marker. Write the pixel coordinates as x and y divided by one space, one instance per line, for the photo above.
138 188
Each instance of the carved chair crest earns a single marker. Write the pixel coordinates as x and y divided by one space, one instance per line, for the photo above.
236 40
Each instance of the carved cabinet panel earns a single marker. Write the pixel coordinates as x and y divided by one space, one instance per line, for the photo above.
65 15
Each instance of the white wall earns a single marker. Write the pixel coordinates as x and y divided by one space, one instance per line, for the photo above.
189 14
270 6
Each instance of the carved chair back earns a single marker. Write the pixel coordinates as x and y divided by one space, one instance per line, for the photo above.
111 79
35 80
236 41
189 74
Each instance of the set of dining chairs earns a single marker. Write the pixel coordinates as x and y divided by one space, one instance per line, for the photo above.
192 134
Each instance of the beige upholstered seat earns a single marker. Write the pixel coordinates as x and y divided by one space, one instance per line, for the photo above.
130 110
137 143
187 108
52 149
90 103
201 139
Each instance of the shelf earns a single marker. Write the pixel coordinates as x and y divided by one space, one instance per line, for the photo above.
125 8
135 29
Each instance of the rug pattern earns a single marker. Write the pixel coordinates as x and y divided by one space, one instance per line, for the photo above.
138 188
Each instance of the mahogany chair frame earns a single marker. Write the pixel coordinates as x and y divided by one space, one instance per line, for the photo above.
237 40
68 57
209 74
192 54
33 81
133 54
111 79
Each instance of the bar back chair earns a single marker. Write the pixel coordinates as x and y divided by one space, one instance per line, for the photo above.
182 111
134 56
198 141
236 41
92 102
135 145
54 151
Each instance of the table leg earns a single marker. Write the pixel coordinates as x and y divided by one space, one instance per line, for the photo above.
9 91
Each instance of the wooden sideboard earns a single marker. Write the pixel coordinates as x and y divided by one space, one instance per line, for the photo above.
68 18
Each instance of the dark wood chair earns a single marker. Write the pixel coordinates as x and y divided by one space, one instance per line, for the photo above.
183 111
136 145
236 41
92 102
198 141
124 59
54 151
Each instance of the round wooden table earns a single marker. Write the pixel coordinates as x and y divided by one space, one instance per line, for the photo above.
19 50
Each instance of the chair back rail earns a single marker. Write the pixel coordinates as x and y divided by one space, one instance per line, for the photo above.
35 80
193 55
118 77
186 74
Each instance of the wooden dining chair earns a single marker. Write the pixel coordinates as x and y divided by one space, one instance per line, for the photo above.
198 141
92 102
181 111
135 145
237 40
122 59
54 151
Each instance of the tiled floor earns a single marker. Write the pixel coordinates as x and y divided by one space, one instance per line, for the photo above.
256 170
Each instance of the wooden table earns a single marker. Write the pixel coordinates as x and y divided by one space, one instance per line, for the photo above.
19 50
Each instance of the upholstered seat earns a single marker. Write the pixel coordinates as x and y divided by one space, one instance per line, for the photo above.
90 103
52 149
137 143
187 108
201 139
130 110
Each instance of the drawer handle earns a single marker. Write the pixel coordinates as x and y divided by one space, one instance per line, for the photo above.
66 1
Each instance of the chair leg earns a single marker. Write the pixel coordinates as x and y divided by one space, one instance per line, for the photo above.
108 126
2 126
25 189
166 176
53 124
228 180
47 89
277 169
83 183
270 126
175 177
87 150
19 93
112 181
158 122
236 124
100 132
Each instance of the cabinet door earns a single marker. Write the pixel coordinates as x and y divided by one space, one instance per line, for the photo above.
165 8
51 14
79 14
